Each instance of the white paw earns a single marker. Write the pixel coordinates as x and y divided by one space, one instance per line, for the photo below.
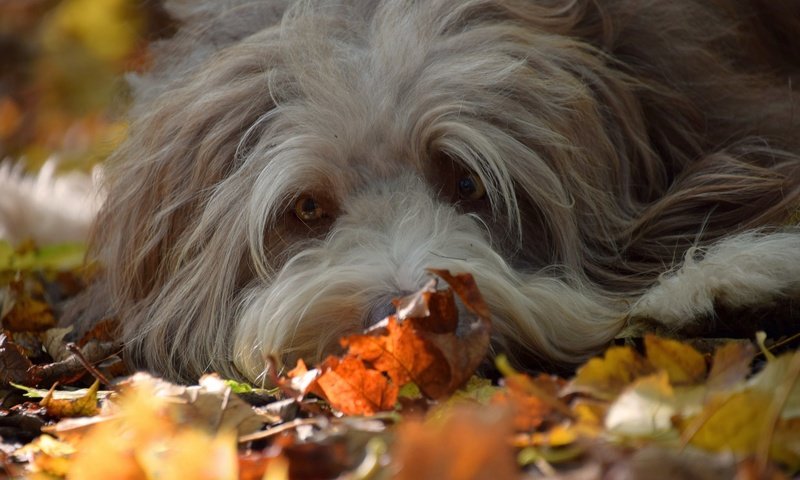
749 269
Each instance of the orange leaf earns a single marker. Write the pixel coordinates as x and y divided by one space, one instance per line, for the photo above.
468 443
402 353
354 389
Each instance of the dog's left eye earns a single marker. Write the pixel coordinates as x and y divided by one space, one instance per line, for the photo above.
308 209
470 187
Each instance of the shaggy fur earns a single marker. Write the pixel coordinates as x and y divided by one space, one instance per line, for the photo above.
612 138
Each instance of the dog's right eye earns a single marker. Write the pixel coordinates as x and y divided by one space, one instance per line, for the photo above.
308 209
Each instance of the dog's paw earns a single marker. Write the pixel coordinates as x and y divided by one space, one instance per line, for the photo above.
746 270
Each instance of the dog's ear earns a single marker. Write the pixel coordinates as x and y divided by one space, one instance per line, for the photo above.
203 28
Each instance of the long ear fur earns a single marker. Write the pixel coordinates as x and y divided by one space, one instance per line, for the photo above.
156 235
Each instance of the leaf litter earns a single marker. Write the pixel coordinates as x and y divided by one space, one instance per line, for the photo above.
403 401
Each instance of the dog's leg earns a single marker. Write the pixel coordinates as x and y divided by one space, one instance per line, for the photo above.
741 271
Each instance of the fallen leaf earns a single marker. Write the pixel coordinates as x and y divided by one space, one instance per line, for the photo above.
354 389
210 404
403 353
192 453
84 406
534 400
29 314
50 455
604 378
644 409
684 365
730 365
470 442
732 423
14 366
776 374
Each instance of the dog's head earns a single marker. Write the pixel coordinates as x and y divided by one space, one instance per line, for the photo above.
284 180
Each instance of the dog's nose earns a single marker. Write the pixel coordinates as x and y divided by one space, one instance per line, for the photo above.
380 310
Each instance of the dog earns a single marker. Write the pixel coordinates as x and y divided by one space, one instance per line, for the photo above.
292 167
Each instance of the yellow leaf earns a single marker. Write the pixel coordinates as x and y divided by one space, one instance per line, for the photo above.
785 446
683 364
777 374
193 453
107 451
730 424
50 456
85 406
604 378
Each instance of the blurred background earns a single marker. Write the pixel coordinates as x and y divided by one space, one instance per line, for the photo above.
62 66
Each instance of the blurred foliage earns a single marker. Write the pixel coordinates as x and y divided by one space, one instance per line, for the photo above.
61 65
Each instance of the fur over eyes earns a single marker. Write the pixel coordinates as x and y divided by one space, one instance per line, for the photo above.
612 139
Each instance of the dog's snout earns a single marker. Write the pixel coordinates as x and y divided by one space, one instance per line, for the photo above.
380 310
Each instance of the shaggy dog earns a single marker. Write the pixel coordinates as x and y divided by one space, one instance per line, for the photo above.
596 165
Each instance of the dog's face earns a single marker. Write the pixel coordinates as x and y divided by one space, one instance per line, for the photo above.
279 191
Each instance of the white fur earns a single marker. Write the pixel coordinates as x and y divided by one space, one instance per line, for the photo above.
744 270
47 208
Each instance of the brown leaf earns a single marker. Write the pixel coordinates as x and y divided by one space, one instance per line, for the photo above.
534 400
731 365
29 314
14 366
354 389
103 331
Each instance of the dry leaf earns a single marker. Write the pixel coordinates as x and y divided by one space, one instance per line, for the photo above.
14 367
354 389
604 378
730 365
471 442
85 406
684 365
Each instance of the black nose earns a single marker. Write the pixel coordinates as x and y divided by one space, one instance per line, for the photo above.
380 310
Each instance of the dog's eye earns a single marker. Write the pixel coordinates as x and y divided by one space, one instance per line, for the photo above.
308 209
470 187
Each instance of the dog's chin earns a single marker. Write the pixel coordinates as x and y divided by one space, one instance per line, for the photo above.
339 284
